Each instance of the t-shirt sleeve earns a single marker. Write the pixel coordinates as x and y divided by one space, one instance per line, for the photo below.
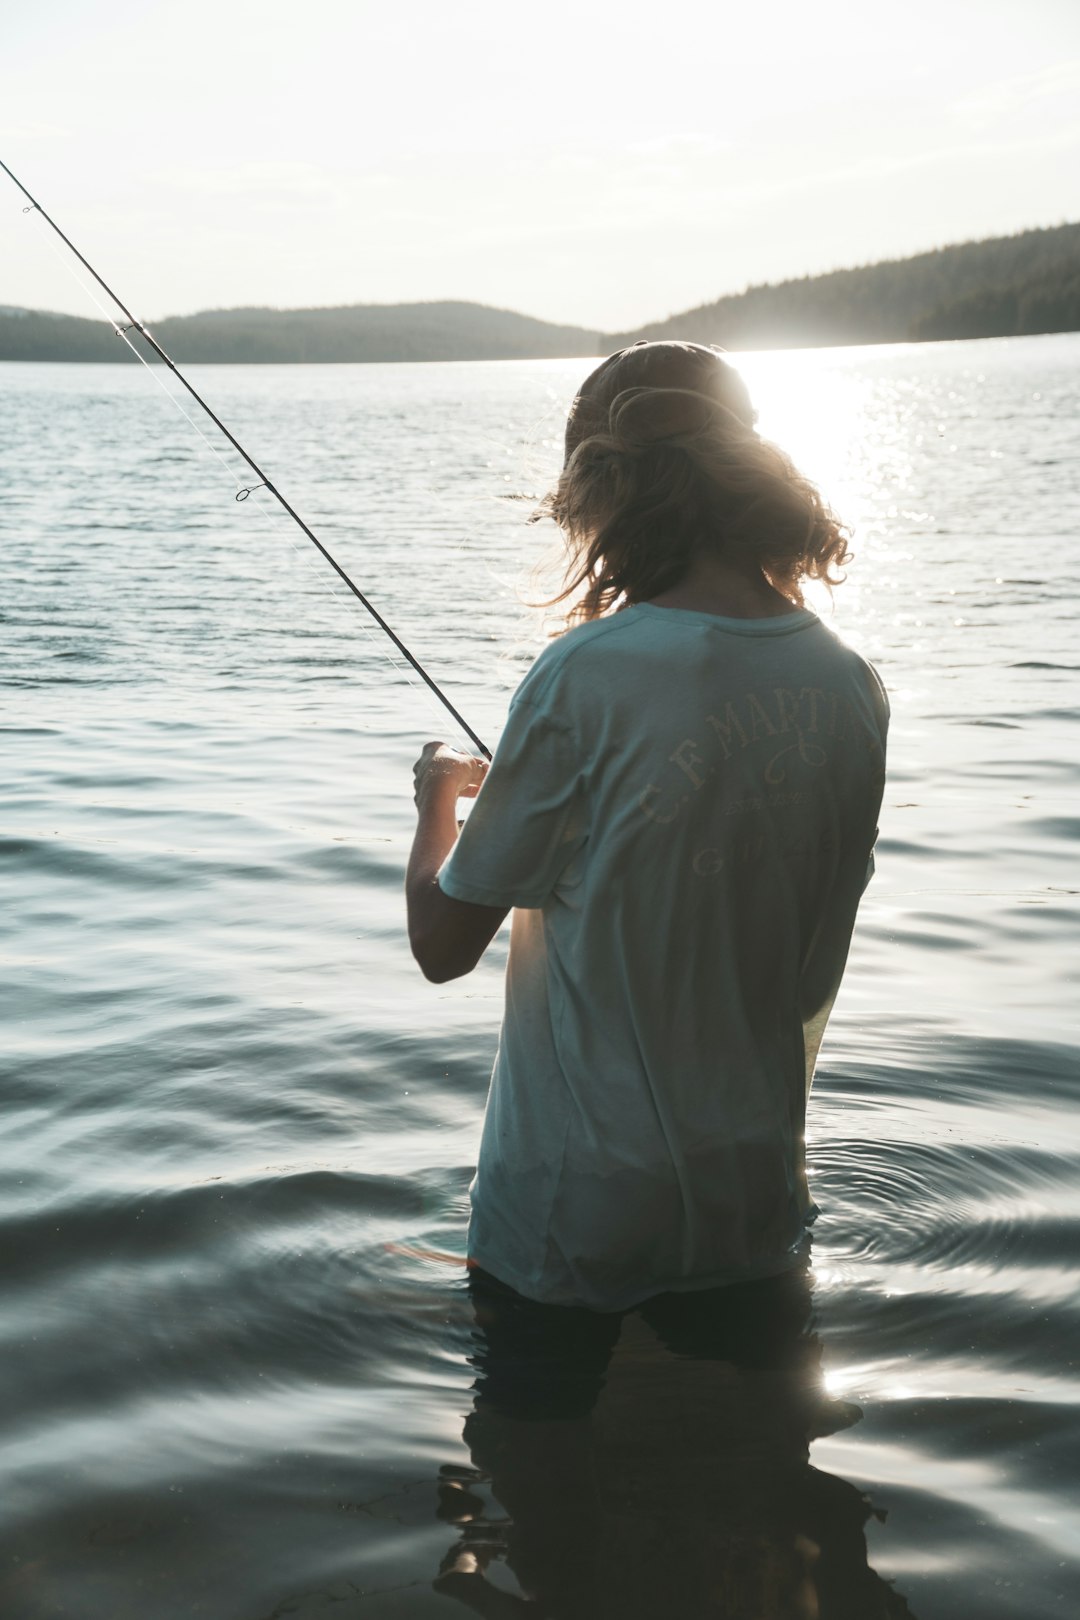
528 820
880 699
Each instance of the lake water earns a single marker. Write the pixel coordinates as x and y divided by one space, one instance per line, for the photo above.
238 1127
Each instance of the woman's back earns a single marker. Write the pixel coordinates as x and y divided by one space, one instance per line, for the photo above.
681 811
683 805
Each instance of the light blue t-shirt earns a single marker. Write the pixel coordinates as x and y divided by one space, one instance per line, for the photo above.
682 810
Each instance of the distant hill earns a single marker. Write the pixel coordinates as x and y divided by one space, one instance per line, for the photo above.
364 332
1004 287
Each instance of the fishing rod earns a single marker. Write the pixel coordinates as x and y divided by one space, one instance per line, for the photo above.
264 482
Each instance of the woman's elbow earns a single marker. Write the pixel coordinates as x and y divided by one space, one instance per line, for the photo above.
448 937
438 961
440 972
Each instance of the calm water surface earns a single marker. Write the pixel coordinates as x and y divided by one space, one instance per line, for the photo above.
239 1128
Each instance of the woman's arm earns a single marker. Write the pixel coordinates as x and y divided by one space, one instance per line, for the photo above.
448 937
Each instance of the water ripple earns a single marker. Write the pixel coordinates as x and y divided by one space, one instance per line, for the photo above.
238 1128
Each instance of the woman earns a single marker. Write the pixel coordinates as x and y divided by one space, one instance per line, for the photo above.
681 811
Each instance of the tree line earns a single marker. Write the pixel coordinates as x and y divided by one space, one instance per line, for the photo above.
1005 287
357 332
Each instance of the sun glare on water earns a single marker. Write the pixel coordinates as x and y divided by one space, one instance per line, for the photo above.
835 421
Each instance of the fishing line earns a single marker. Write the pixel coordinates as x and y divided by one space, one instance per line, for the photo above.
326 581
122 333
263 481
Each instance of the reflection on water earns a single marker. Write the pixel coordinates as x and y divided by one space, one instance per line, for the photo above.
238 1129
657 1462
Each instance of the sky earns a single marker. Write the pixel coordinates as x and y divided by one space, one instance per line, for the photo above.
599 165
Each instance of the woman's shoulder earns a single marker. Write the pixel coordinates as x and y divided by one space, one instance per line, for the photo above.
569 656
859 671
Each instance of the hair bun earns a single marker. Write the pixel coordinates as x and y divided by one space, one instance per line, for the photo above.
646 418
663 461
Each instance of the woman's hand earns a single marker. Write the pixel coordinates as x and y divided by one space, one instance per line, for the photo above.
448 936
441 769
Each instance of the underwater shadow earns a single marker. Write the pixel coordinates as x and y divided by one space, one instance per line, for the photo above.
656 1461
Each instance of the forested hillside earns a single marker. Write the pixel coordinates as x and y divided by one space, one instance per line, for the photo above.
1005 287
439 331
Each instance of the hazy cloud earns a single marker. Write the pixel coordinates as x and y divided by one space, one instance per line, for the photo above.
993 103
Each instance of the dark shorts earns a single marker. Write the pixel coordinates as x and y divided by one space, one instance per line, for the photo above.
548 1361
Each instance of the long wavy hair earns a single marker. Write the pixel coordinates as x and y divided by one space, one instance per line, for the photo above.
663 462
